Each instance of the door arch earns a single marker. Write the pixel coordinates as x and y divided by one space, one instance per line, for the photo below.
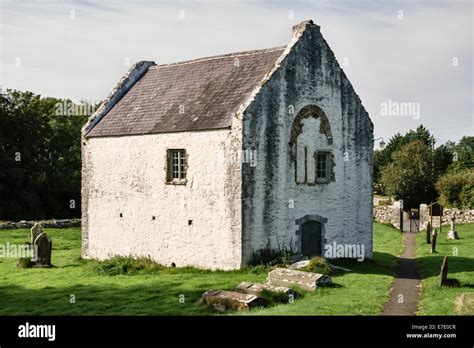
311 234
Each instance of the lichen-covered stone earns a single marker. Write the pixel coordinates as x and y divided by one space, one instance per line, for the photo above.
230 300
258 289
305 280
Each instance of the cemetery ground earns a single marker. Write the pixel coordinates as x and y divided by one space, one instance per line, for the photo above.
447 300
47 291
157 290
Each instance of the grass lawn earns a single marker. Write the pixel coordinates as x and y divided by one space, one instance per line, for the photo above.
441 301
37 291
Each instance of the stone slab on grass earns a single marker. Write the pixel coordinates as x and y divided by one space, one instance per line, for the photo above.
299 264
305 280
231 300
257 288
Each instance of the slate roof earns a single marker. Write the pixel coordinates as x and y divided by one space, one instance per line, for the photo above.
194 95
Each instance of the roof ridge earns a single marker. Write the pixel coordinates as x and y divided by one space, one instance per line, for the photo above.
222 56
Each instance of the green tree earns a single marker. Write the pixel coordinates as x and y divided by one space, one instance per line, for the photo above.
410 174
464 151
443 157
64 171
23 154
40 167
457 189
395 143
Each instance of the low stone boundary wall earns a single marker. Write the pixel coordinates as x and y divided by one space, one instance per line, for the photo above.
390 214
53 223
460 216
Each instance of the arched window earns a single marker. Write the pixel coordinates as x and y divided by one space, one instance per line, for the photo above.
312 154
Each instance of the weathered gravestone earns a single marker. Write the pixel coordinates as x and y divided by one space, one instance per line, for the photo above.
36 230
24 262
289 277
225 300
433 241
257 289
428 233
452 233
436 209
443 276
43 247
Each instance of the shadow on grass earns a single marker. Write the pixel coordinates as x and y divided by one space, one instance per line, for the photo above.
154 299
333 286
382 264
431 265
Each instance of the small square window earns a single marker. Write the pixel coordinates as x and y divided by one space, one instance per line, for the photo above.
323 167
177 166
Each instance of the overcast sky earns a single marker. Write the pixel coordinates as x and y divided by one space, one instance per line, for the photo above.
400 51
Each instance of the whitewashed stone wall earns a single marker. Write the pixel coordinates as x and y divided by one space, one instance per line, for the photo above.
236 208
126 175
272 201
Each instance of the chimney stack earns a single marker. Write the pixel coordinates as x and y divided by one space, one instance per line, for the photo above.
299 28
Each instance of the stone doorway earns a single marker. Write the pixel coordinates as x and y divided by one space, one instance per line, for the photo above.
311 234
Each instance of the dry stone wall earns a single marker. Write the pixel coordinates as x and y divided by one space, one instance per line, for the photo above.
52 223
460 216
390 214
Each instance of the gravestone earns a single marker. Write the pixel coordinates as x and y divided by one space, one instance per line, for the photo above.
43 247
256 289
305 280
436 209
225 300
36 230
443 276
452 233
433 241
428 233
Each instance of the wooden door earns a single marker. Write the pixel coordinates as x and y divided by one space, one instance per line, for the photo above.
311 238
